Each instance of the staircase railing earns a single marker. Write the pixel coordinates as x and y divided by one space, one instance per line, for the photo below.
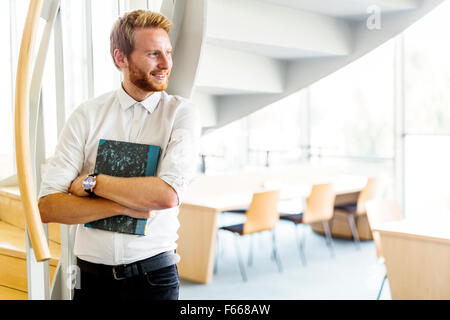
34 224
30 144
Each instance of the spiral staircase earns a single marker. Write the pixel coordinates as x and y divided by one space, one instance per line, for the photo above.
232 58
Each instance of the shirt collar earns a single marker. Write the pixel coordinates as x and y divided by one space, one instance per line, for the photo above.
149 103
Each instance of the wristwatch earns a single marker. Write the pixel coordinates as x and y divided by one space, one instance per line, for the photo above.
89 184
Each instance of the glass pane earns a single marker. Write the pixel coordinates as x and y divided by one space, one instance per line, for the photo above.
6 96
352 109
75 59
12 23
106 76
427 176
427 74
49 101
274 132
225 149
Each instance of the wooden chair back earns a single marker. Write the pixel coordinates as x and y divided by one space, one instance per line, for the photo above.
372 190
380 211
320 203
262 213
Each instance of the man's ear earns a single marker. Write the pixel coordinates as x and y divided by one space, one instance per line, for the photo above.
121 59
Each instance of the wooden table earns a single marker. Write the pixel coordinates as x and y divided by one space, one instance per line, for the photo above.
417 257
210 195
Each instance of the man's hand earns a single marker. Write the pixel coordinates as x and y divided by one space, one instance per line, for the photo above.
76 188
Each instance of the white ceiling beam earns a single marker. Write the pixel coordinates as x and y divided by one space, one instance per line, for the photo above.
276 31
354 9
225 71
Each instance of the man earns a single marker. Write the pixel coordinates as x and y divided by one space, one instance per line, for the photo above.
117 265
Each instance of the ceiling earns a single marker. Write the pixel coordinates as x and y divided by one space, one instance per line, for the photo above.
350 9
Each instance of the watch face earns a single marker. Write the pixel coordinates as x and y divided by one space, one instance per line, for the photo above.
89 182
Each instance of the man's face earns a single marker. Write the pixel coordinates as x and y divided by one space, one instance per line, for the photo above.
150 63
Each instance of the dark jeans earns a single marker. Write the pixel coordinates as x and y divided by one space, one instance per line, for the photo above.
161 284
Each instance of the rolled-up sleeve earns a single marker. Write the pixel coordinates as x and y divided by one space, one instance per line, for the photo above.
178 166
67 162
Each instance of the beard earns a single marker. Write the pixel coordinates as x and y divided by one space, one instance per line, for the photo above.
144 81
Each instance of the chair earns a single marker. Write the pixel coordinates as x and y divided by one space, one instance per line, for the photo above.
262 215
319 208
371 191
380 211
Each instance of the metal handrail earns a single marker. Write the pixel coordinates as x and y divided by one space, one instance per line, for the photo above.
22 139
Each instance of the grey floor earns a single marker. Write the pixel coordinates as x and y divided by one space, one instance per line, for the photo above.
351 275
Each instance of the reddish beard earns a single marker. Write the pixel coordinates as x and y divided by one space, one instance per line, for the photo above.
143 80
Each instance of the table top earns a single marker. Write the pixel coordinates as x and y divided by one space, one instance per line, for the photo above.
434 228
296 192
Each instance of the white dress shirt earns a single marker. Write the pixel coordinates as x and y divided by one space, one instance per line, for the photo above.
170 122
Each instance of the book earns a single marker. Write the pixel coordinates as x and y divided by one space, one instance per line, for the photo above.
124 159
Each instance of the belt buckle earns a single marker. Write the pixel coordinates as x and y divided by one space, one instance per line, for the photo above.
115 274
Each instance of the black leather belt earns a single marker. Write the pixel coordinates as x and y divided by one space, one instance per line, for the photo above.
137 268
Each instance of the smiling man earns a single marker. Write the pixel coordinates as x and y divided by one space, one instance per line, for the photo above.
117 265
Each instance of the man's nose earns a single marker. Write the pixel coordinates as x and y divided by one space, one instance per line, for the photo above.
164 61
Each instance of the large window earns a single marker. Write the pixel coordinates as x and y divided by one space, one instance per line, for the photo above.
427 115
427 175
427 74
82 82
352 109
12 19
274 132
225 149
6 111
106 76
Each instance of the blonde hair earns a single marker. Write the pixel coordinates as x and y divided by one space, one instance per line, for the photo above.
122 33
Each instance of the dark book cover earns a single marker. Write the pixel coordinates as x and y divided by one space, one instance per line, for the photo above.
124 159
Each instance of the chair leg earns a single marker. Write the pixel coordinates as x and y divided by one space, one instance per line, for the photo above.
330 223
222 252
275 252
351 222
300 245
272 254
250 250
216 257
238 252
381 288
329 239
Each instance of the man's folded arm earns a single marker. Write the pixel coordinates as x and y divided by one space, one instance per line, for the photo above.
71 209
138 193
